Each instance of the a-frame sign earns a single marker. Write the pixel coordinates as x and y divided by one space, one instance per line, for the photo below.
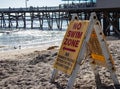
80 36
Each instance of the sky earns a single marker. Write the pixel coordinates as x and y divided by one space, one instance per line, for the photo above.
34 3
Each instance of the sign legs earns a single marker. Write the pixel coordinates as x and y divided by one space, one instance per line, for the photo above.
72 77
53 76
106 53
113 75
97 76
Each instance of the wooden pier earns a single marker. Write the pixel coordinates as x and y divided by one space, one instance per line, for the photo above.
60 15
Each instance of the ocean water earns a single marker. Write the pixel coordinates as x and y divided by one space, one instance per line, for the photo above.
28 38
11 39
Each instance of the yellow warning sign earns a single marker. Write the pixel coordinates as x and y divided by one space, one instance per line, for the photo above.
96 50
81 34
71 45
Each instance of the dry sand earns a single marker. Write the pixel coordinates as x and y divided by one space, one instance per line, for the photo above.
31 69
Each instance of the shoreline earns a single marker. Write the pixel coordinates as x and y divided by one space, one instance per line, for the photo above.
4 48
11 54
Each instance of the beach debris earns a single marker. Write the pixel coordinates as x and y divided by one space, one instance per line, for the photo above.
19 46
43 57
52 47
40 58
54 54
15 47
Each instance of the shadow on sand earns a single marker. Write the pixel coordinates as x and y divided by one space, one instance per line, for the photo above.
108 87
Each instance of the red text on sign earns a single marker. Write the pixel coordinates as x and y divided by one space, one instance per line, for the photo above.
71 42
74 34
77 26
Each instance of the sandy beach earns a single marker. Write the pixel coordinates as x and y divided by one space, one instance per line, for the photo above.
31 69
